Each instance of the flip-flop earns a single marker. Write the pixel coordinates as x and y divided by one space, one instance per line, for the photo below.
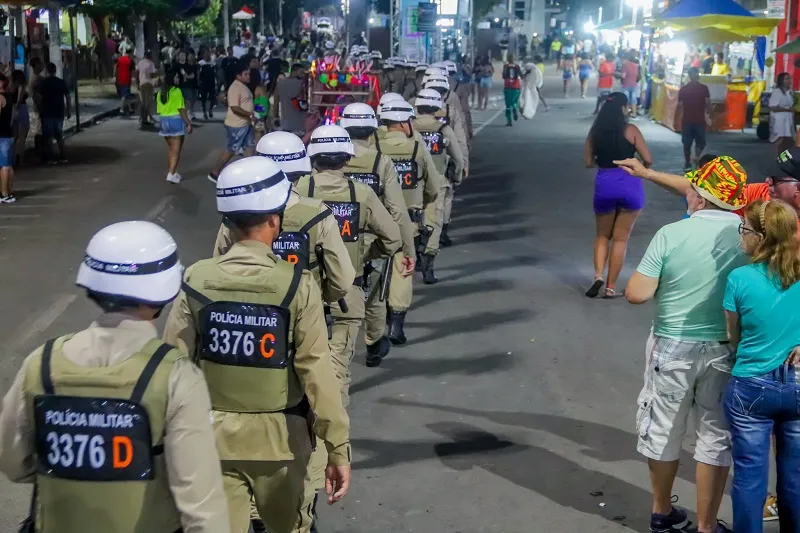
610 294
594 290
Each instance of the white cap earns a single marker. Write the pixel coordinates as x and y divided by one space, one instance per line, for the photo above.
330 45
388 97
422 67
434 69
358 115
436 83
397 111
252 185
429 97
134 260
375 54
330 140
400 61
286 149
451 66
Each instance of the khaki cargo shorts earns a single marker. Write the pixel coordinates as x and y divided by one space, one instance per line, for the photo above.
683 377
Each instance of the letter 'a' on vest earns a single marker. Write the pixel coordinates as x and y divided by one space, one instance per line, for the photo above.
364 168
245 342
99 434
346 208
435 143
407 162
298 239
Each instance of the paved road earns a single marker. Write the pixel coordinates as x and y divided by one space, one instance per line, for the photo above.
511 409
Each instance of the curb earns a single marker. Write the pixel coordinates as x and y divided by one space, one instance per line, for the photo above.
94 120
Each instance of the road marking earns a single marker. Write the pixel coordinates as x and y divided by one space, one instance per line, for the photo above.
491 119
47 317
159 209
18 216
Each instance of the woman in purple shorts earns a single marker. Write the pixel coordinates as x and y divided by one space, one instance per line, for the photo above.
618 197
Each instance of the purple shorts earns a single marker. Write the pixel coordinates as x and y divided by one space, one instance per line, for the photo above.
615 189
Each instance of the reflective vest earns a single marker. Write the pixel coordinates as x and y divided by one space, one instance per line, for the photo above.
408 163
99 434
297 242
365 169
245 342
346 208
435 143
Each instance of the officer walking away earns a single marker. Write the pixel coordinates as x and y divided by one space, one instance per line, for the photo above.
255 326
376 170
450 113
422 185
111 424
357 210
445 151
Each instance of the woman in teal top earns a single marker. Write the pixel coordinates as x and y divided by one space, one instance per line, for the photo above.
175 123
762 309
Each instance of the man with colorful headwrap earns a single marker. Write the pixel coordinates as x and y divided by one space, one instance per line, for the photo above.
688 356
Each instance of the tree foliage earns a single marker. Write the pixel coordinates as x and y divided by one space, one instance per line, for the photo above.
125 8
205 25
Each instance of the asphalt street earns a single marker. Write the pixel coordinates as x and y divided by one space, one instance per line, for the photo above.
512 407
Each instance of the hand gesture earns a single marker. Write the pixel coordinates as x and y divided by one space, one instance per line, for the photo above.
794 357
337 482
632 166
189 129
407 266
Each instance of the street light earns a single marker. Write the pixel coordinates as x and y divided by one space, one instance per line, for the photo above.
496 20
589 26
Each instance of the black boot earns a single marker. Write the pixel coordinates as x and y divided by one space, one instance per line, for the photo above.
396 322
428 276
258 526
377 351
444 238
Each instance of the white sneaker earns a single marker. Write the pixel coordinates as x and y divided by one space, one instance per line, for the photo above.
10 199
174 178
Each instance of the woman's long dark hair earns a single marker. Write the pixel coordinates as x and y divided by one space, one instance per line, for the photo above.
169 83
608 130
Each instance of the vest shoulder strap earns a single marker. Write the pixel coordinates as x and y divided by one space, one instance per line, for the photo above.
414 153
311 187
319 217
195 295
295 283
149 370
377 140
376 163
47 356
352 187
441 128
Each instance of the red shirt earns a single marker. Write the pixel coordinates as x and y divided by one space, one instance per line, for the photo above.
693 97
606 79
511 76
124 68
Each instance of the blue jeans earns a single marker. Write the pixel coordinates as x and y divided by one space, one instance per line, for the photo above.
755 408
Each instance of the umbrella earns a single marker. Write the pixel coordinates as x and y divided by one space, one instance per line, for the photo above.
244 14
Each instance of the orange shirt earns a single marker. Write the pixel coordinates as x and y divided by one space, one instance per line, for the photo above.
754 192
606 79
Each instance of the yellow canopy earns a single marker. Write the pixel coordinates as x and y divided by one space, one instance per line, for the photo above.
741 26
707 36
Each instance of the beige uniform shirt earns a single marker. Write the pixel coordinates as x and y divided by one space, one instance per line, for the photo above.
193 467
453 147
378 220
458 123
435 184
339 271
312 362
393 198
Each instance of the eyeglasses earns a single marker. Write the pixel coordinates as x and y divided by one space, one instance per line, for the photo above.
744 230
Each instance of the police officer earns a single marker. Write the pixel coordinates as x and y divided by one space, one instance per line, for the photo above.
450 113
460 86
377 170
111 423
386 77
309 238
422 184
416 85
255 326
309 233
444 149
357 210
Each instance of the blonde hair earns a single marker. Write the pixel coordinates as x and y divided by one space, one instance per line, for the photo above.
779 247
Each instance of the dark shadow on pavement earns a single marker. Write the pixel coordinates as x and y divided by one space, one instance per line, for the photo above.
446 291
473 323
495 236
78 154
460 270
397 368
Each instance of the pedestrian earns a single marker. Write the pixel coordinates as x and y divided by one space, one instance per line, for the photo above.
584 72
760 401
630 82
124 78
567 73
689 358
34 90
485 73
255 74
555 51
781 113
207 85
708 62
8 99
694 112
273 65
187 68
146 74
238 120
175 123
157 466
290 102
22 122
618 198
54 108
605 79
720 67
512 79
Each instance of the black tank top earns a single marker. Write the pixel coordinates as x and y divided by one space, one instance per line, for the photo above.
6 114
608 148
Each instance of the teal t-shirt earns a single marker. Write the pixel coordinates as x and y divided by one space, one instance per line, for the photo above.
768 316
692 259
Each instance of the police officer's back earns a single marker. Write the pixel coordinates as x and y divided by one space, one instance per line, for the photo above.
110 423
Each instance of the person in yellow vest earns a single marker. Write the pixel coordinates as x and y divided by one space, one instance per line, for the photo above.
422 185
377 170
358 211
255 326
110 424
309 238
444 149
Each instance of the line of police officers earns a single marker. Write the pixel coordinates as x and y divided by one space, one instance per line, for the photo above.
112 424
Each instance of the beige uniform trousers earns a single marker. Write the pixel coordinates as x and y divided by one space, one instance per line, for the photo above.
448 202
433 217
344 333
375 311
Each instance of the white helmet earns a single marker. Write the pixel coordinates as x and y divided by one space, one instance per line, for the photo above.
412 63
358 115
400 61
436 70
436 83
286 149
132 260
396 111
388 97
330 140
330 45
422 67
429 97
252 185
450 66
376 54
